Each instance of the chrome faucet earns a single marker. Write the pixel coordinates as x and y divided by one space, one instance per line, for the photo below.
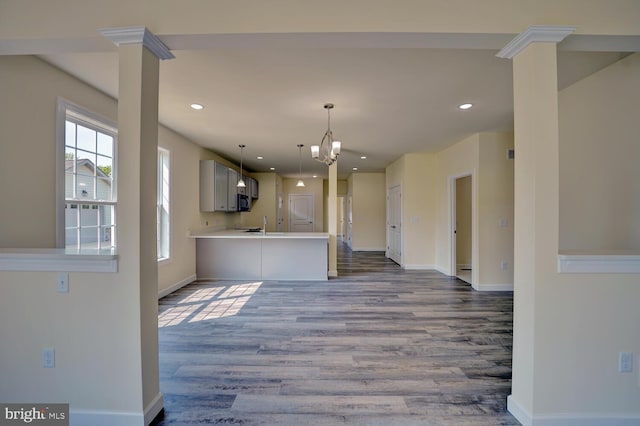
264 225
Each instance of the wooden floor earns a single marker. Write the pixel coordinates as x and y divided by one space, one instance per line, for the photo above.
376 346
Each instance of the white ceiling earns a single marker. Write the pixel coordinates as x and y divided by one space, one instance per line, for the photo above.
388 101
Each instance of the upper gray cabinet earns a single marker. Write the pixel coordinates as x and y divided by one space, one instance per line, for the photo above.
232 193
214 187
218 187
253 188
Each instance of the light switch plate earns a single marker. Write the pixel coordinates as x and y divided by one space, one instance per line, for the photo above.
62 285
48 358
625 362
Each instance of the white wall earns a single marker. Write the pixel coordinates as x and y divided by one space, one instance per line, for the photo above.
461 159
95 328
568 328
416 175
599 157
184 212
484 157
369 211
92 328
495 212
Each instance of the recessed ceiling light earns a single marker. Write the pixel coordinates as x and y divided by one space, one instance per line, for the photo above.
355 168
272 168
465 106
364 157
260 157
197 106
315 176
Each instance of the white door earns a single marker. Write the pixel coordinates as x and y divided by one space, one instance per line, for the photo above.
394 224
301 213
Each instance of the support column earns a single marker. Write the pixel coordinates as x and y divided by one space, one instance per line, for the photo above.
137 151
536 172
333 219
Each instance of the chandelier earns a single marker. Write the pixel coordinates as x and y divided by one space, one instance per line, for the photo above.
329 148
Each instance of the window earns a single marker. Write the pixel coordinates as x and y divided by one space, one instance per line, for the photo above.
89 179
163 204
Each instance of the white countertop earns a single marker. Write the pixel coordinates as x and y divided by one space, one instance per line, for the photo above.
242 234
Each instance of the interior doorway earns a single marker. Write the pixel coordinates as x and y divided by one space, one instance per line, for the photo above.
462 241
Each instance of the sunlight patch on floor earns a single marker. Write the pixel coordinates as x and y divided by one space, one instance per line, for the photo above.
208 304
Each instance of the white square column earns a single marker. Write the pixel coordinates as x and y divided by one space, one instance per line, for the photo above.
139 53
536 203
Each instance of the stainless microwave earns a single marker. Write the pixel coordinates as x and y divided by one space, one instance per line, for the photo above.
243 203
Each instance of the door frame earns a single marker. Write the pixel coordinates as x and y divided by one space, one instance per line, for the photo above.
451 181
399 186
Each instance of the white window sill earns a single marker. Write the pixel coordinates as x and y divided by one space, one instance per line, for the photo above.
58 260
599 262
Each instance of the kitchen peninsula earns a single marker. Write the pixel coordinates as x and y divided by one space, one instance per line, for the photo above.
243 255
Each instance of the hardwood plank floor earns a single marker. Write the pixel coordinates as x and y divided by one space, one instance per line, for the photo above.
376 346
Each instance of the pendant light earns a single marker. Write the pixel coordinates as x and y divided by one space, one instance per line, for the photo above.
329 148
241 183
300 183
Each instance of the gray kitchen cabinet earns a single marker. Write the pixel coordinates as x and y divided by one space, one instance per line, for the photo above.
232 190
253 189
214 187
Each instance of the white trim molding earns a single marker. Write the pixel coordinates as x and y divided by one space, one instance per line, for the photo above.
153 409
492 287
57 260
176 286
569 419
103 418
535 34
419 267
599 262
138 35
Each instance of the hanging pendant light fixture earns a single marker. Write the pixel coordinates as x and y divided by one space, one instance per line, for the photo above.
300 183
329 148
241 183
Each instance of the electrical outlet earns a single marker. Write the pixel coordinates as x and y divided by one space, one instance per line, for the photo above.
62 285
625 362
48 358
504 265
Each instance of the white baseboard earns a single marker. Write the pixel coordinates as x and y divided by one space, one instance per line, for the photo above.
493 287
368 248
526 419
114 418
442 270
332 273
418 267
463 266
153 409
519 412
104 418
177 286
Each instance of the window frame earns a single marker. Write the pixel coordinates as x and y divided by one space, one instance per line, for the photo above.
164 239
99 123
